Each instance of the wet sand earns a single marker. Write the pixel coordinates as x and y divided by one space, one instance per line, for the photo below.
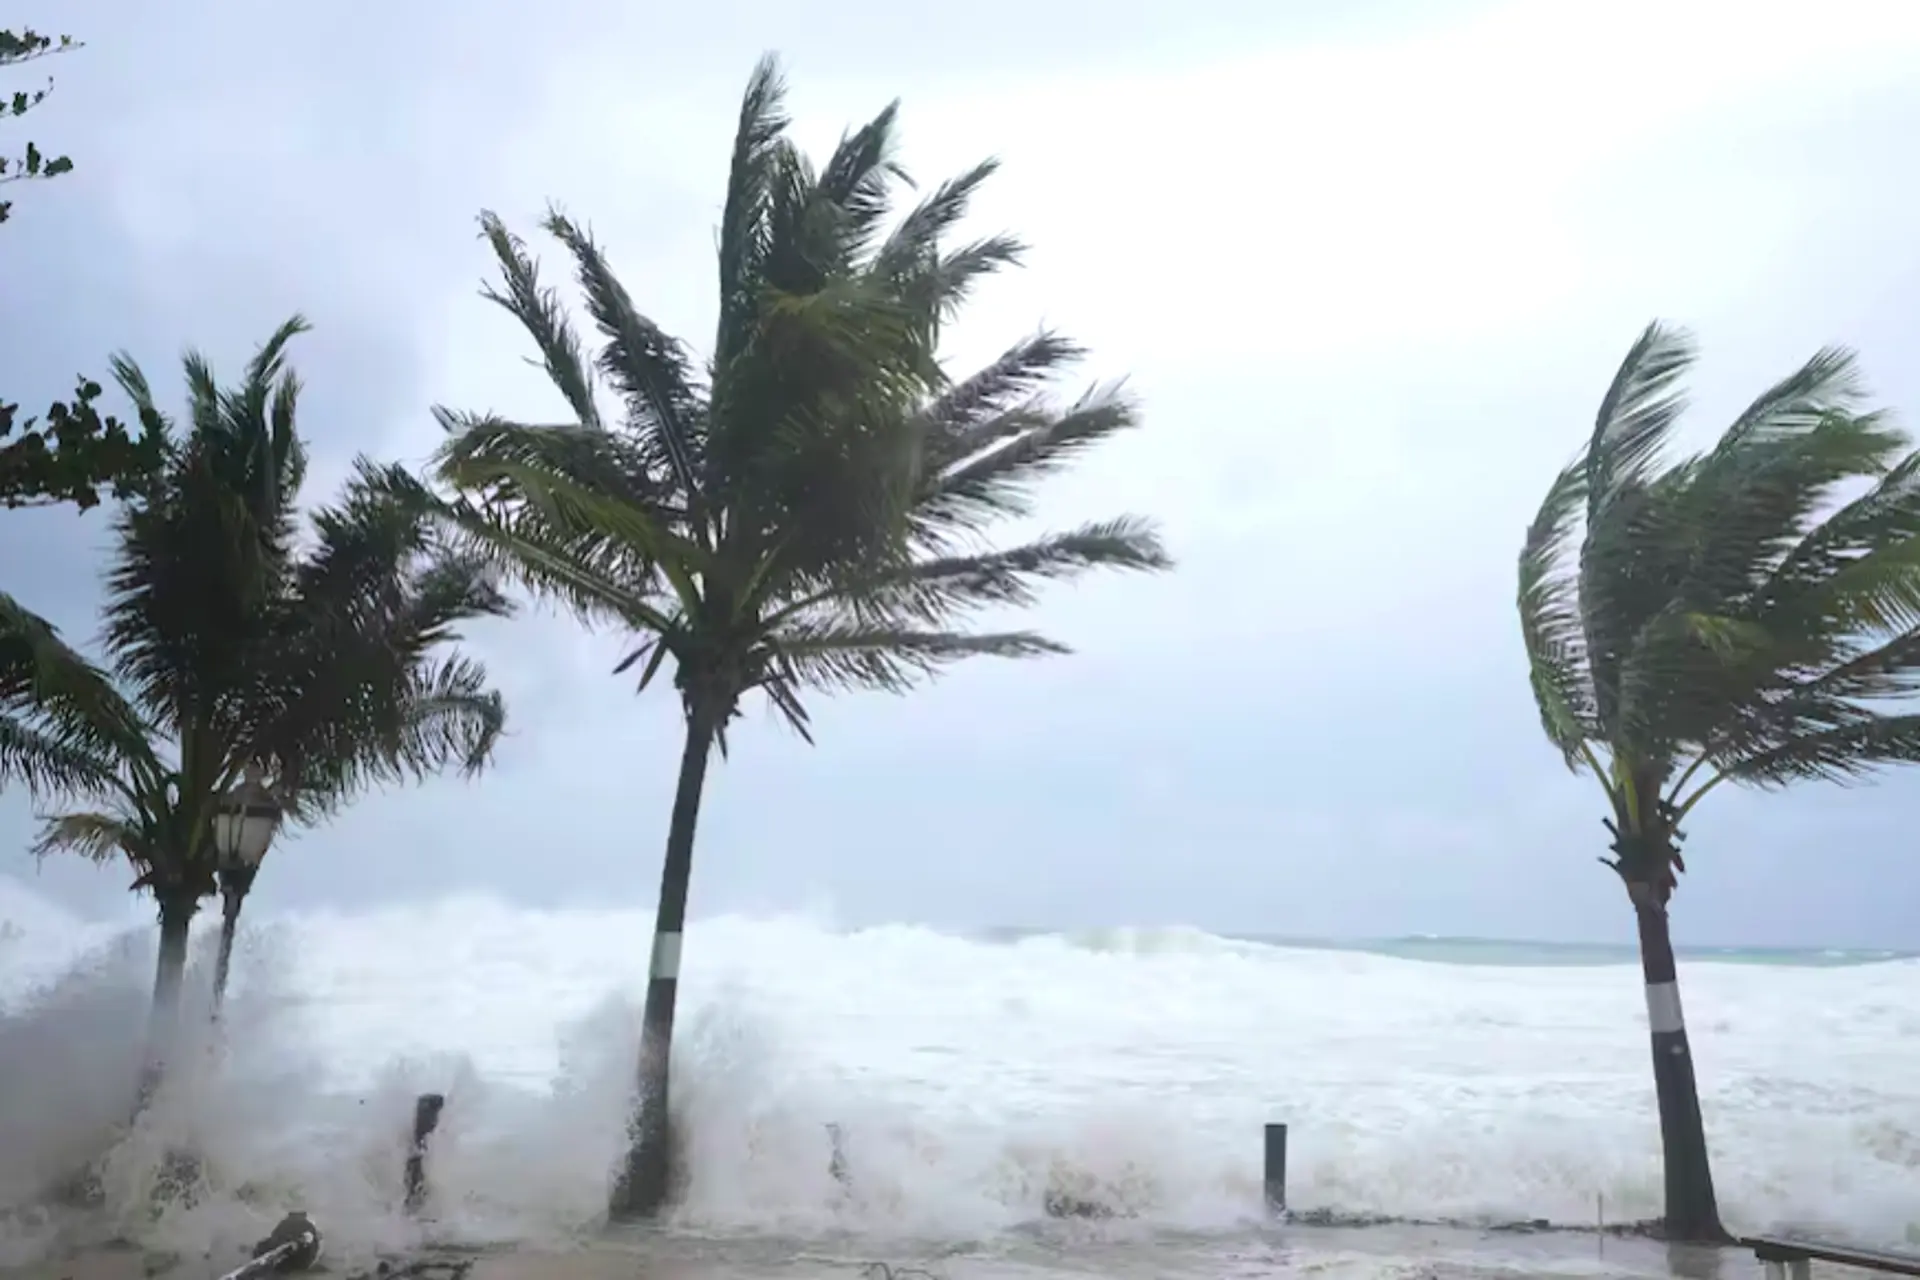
1323 1253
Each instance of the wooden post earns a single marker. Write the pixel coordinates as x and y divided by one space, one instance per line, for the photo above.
1274 1170
426 1118
837 1161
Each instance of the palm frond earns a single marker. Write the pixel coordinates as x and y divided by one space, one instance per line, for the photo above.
1845 752
943 589
646 365
1861 565
524 548
65 726
133 381
539 311
606 461
970 415
1550 617
1829 383
916 240
1633 555
577 510
1761 489
856 185
894 659
1637 414
148 835
49 763
946 283
97 837
1000 459
452 717
743 221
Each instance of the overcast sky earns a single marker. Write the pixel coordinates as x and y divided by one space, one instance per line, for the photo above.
1368 274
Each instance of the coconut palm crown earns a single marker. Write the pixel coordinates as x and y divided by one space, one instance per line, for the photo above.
1747 614
324 663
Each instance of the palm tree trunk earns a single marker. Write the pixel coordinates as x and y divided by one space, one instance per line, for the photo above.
1692 1213
163 1019
641 1188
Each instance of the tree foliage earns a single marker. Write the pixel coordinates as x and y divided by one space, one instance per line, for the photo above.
230 644
32 164
72 453
1750 613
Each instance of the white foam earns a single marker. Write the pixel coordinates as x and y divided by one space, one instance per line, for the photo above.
1132 1068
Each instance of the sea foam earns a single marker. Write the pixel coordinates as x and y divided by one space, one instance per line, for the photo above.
969 1079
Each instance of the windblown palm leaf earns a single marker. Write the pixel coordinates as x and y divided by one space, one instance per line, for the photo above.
62 725
99 837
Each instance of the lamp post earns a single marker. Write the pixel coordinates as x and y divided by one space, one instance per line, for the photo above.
243 828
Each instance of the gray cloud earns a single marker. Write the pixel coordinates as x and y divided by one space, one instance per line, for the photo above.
1369 274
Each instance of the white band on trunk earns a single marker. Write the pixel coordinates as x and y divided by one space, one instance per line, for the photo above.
1663 1008
666 957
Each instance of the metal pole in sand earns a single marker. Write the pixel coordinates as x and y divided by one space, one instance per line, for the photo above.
1274 1170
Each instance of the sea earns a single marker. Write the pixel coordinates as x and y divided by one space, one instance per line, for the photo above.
916 1096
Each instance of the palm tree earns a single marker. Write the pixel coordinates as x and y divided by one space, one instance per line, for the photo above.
807 513
235 649
1733 616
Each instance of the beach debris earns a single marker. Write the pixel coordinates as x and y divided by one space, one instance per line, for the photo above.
1065 1204
292 1245
439 1267
886 1271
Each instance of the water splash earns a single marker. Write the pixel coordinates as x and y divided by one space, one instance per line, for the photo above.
970 1082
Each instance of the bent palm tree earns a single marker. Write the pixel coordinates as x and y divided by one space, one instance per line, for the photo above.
1721 620
322 668
808 514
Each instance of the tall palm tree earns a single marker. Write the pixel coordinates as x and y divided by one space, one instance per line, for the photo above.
1733 616
233 647
808 512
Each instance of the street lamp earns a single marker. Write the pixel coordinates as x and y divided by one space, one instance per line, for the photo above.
243 828
244 824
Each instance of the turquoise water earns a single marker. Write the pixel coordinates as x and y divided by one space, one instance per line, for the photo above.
1537 954
1463 951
